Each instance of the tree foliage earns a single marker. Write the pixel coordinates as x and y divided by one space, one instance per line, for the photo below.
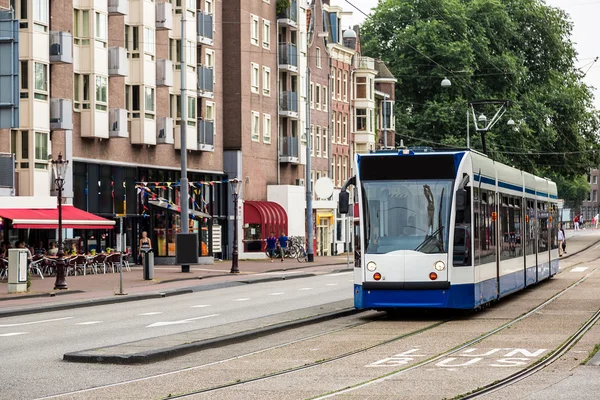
518 50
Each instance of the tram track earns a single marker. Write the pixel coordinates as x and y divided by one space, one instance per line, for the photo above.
556 354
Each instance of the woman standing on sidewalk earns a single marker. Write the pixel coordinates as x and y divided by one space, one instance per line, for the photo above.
145 246
562 241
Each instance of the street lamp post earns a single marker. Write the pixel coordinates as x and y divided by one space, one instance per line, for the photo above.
235 192
60 168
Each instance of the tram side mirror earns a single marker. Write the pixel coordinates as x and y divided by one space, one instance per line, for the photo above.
343 202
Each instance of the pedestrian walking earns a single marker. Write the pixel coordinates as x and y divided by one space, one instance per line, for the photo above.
562 245
576 222
581 222
283 240
596 222
271 245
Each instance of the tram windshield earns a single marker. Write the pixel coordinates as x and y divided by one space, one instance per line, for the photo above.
407 215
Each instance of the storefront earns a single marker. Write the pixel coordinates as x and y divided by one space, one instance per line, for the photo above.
260 219
148 200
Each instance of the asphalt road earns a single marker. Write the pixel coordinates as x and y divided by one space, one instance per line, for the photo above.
32 345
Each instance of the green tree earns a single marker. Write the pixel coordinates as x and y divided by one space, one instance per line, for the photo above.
518 50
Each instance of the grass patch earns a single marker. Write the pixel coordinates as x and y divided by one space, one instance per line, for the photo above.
592 354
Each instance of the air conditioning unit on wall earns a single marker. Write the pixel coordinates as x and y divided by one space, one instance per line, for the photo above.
299 182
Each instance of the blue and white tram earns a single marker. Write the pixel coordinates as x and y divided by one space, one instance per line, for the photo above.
448 229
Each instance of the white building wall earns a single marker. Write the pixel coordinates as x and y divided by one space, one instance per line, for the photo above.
293 199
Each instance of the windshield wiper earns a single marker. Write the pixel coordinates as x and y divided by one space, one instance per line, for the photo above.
440 243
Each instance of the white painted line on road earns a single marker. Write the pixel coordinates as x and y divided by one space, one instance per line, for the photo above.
331 284
151 313
89 323
342 273
579 269
244 299
305 288
276 294
598 245
12 334
183 321
201 306
35 322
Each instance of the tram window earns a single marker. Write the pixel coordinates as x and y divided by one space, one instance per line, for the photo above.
461 249
554 227
486 227
517 215
530 228
543 227
477 224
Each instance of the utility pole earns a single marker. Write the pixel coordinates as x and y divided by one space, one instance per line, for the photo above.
309 207
384 121
468 138
183 187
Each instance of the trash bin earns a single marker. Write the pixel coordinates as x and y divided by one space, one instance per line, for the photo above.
148 265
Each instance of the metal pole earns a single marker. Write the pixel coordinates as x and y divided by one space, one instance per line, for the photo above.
121 255
384 127
234 254
309 209
60 282
183 188
468 138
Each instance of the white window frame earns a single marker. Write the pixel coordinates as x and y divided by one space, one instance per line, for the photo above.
254 29
42 161
41 12
312 140
312 95
149 41
324 98
339 127
333 74
267 128
212 106
149 113
318 56
100 96
345 86
333 130
133 46
333 174
266 84
325 146
101 28
192 53
345 130
254 78
317 99
255 126
318 141
192 106
266 34
40 92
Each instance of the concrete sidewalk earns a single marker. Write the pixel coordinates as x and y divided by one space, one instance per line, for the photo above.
168 279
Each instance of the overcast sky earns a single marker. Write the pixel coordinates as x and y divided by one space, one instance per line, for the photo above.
583 13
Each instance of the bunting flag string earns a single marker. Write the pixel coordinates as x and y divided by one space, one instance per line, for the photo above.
171 185
146 192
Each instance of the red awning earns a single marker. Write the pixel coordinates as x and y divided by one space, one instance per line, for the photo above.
47 218
266 213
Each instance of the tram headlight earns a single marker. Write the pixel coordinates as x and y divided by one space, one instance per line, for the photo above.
371 266
439 266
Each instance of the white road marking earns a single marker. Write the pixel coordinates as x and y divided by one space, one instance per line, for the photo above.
201 306
579 269
89 323
244 299
183 321
12 334
276 294
331 284
305 288
342 273
151 313
596 247
35 322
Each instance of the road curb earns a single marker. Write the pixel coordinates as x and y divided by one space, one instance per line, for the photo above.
166 353
580 251
92 303
39 295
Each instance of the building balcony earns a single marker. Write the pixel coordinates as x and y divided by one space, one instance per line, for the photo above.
164 16
288 104
117 119
191 137
364 137
118 64
288 57
94 123
206 135
118 7
204 27
142 130
164 130
164 72
205 81
61 47
289 17
61 114
366 63
288 150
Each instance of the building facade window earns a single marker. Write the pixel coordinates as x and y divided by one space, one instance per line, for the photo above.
255 126
255 77
191 112
101 93
333 130
325 138
41 81
345 130
266 81
266 128
318 97
324 98
318 56
266 40
41 150
339 85
361 119
361 87
149 102
595 195
101 28
312 93
149 42
318 141
132 43
312 140
345 87
595 179
40 11
332 83
254 30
